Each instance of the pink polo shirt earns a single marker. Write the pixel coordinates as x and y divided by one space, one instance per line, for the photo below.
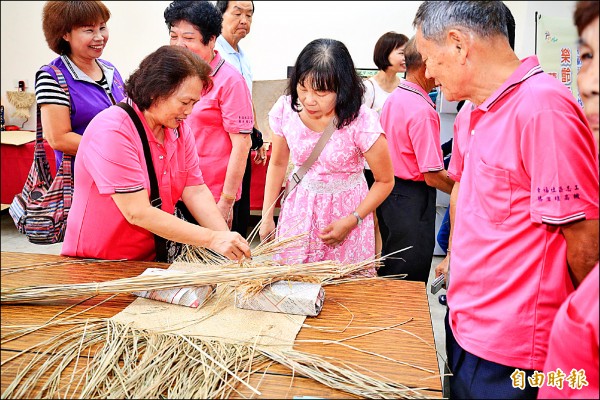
412 128
530 166
110 160
227 108
574 344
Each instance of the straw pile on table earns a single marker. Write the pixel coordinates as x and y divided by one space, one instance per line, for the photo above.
135 363
128 362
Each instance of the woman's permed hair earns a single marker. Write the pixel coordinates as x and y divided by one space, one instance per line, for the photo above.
162 72
60 17
585 13
330 68
203 15
387 43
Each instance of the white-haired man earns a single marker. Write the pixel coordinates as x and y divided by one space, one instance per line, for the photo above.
525 227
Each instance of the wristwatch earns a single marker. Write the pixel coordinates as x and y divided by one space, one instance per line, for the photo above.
359 220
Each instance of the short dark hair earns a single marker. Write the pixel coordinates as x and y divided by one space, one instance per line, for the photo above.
60 17
162 72
328 64
223 4
585 13
412 57
387 43
202 14
510 26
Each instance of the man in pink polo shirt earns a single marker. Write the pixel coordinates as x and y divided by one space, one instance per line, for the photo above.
525 226
573 358
407 215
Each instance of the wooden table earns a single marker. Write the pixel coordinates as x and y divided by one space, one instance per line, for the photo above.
368 305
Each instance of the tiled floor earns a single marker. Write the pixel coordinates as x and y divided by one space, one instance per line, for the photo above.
12 240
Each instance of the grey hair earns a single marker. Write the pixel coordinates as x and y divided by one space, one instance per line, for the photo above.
484 18
412 57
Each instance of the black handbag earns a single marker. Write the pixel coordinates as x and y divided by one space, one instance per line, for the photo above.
166 250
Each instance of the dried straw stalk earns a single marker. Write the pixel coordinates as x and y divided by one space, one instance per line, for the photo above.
5 270
343 377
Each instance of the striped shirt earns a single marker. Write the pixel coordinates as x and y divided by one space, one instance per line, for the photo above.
48 90
86 97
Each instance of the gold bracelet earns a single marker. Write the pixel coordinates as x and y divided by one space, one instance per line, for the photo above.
227 196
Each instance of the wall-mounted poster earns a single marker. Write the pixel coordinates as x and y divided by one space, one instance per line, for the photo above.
556 48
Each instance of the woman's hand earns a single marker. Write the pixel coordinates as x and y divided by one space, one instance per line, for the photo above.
225 206
267 230
261 155
336 232
230 244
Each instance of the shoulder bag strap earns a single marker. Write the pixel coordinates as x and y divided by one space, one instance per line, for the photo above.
155 200
39 136
372 101
65 171
316 151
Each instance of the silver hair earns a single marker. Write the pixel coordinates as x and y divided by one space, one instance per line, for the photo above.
484 18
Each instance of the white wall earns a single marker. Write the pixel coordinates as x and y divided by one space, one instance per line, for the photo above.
280 29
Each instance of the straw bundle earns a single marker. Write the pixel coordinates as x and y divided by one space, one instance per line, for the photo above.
249 274
22 101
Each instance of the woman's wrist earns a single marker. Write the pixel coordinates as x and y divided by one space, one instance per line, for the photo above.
204 237
227 198
357 217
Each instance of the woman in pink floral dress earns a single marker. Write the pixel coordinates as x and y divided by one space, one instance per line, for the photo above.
332 203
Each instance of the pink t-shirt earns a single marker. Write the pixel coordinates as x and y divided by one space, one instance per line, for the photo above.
110 160
530 165
226 108
412 128
574 344
461 126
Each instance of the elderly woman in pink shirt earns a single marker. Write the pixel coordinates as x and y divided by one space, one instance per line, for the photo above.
112 216
222 120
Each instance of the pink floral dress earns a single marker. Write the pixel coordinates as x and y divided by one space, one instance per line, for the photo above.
331 189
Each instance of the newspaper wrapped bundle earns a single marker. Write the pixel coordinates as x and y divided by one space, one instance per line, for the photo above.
289 297
191 296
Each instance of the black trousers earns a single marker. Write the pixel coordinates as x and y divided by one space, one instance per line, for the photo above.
476 378
407 218
241 208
